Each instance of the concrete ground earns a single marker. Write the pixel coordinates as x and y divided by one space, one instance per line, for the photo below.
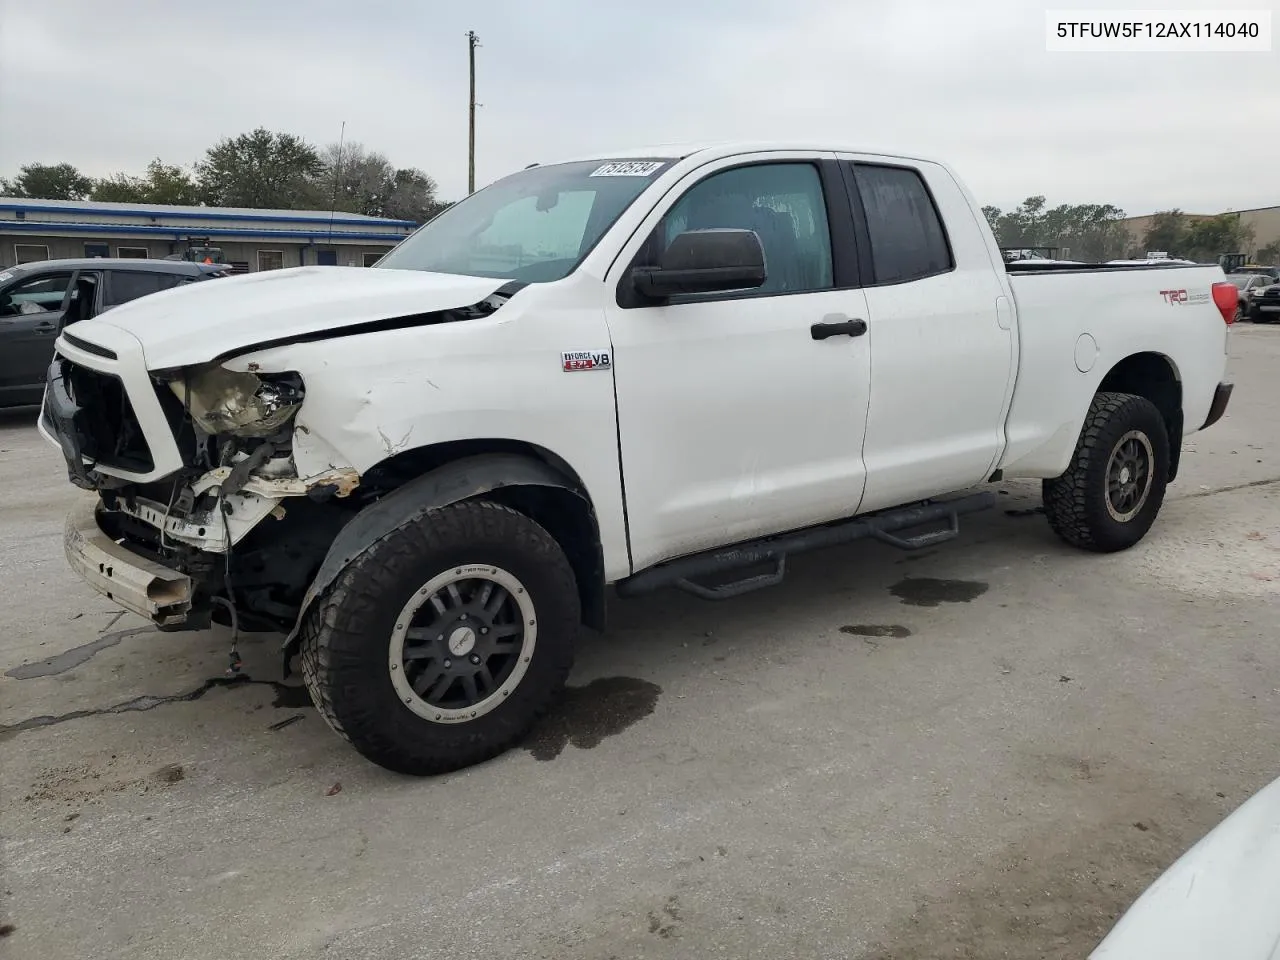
984 751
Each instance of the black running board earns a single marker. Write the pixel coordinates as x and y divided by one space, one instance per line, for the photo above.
885 527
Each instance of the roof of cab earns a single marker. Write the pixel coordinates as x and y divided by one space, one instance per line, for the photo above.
727 148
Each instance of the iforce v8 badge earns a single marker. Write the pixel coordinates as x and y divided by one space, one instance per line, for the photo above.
572 361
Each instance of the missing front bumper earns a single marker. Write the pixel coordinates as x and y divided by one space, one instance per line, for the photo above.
142 586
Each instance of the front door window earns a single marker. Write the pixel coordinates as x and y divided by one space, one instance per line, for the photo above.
34 296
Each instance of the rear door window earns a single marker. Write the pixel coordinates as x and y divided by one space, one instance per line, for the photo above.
908 241
125 285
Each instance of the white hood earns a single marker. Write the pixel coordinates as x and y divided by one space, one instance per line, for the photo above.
1221 899
199 321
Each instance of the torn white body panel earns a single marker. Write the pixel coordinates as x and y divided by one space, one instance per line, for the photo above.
216 530
209 531
1219 899
500 377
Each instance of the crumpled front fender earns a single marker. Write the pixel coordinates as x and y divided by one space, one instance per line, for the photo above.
451 483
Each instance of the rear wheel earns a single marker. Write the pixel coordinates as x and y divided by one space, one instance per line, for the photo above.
442 643
1110 495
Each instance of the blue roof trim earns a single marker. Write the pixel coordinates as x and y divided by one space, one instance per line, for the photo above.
196 214
319 236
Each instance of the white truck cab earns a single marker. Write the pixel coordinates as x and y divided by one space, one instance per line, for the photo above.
634 370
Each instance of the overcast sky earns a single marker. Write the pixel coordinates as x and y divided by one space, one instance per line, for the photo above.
109 85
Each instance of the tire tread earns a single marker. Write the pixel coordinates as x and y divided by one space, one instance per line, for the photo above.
335 636
1071 505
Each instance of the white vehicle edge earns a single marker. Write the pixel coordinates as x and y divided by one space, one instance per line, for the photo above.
1220 899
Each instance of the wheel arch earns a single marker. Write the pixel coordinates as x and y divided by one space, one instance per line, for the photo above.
1155 377
523 476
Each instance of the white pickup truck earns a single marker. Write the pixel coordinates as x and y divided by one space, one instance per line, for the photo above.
656 368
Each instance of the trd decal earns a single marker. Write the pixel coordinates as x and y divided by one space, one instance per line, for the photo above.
1178 297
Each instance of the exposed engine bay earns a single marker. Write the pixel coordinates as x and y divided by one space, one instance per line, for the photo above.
236 518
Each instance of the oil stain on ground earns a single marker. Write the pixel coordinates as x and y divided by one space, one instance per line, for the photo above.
928 592
876 630
586 715
68 660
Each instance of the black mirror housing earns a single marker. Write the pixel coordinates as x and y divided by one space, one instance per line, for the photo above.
705 261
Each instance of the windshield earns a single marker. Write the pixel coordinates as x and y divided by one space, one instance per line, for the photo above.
1241 280
535 225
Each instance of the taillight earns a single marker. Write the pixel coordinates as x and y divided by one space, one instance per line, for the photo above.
1226 296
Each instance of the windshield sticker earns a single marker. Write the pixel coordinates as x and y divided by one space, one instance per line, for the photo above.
6 276
627 168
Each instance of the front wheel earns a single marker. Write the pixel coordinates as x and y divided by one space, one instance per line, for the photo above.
441 644
1109 497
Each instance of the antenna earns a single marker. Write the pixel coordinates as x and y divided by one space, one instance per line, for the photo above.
337 170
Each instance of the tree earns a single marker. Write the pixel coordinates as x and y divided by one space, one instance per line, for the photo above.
256 169
162 184
993 215
356 180
39 181
170 184
1270 253
1091 231
120 188
259 169
353 179
1197 238
1167 232
1209 237
413 197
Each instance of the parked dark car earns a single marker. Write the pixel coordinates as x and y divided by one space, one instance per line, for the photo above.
38 299
1265 304
1249 285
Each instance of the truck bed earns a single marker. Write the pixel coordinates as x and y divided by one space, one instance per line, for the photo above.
1076 323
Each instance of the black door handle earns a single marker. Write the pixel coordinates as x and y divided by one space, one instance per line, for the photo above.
847 328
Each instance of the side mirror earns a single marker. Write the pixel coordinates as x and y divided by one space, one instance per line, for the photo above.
704 261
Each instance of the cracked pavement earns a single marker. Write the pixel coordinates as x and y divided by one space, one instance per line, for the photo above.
984 750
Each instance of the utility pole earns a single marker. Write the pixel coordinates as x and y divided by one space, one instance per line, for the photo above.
472 42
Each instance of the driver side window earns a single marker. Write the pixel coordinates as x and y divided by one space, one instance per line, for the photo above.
782 202
38 295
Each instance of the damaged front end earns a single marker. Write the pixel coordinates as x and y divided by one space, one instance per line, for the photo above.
239 404
234 534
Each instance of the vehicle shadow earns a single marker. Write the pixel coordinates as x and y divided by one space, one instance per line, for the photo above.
827 589
18 417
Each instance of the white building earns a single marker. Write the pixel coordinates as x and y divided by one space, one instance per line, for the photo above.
249 239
